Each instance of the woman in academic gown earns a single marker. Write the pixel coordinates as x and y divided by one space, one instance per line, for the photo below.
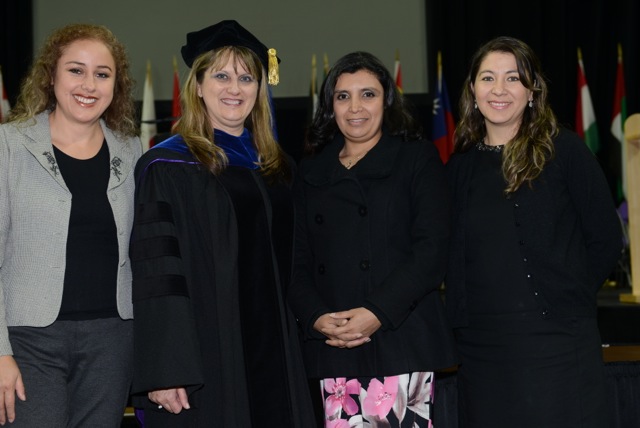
215 344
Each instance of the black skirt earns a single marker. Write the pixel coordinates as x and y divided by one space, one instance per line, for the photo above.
522 370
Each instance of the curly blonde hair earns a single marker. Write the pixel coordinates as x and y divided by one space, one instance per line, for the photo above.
37 94
532 147
197 131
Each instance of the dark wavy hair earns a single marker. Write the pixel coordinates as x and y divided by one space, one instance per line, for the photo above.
397 119
37 94
532 147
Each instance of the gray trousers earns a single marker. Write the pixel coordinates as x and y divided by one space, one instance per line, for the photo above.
76 373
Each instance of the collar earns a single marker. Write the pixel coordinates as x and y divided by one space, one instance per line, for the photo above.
325 167
239 149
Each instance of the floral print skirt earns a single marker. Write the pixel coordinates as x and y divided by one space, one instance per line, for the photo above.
402 401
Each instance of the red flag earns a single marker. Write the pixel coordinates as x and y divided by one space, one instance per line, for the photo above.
4 101
443 124
398 72
176 110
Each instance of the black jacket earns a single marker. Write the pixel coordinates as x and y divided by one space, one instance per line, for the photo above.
376 237
569 234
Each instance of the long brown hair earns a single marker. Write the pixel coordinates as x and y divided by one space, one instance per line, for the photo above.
524 158
37 94
195 127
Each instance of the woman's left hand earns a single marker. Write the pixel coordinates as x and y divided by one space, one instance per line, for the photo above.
360 321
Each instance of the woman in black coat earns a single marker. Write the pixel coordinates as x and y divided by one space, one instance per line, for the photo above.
535 234
371 246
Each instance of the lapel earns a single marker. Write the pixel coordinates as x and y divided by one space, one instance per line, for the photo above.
325 168
121 156
38 143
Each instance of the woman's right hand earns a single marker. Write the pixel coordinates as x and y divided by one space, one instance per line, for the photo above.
10 386
173 400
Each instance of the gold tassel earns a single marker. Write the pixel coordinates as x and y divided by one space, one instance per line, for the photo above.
274 77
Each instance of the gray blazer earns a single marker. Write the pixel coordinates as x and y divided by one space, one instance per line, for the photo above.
35 206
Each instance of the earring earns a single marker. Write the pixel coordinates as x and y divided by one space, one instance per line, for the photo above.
530 103
475 105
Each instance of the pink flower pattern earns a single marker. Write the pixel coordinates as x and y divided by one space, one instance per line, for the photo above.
380 397
400 401
339 390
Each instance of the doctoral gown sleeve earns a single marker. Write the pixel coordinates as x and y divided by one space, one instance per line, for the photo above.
166 345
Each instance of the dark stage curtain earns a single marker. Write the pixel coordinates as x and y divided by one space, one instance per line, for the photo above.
16 43
554 29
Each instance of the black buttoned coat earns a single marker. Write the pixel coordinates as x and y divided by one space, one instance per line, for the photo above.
375 236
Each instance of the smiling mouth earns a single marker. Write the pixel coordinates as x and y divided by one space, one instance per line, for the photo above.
356 121
498 104
232 102
84 100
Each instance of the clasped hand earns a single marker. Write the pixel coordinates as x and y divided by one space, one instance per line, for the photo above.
348 329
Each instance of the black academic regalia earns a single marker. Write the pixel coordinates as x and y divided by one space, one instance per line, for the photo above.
211 258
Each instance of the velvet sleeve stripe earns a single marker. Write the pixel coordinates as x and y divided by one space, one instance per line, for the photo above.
157 286
154 212
161 246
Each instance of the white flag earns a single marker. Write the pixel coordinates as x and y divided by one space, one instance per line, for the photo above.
148 128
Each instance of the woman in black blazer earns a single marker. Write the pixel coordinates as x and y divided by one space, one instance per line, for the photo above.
371 244
535 234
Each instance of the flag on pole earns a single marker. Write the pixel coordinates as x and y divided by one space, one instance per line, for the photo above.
326 66
619 115
314 86
443 124
397 72
176 111
148 128
4 101
586 126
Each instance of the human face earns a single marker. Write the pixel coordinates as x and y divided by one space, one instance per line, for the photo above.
499 93
84 81
358 104
229 94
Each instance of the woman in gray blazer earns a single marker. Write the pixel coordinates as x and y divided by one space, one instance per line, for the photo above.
66 197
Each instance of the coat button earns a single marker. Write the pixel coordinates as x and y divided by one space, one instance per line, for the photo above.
321 269
362 210
319 219
364 264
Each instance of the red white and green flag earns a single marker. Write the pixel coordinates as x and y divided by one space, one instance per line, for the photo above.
586 125
618 116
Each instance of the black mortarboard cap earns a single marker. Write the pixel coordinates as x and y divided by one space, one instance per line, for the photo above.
229 33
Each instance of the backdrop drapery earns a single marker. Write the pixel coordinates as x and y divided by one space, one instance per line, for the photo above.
16 43
554 29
